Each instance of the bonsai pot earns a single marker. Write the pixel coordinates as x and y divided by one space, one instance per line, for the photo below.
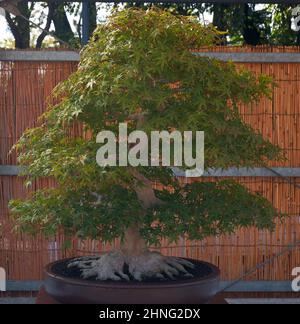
69 290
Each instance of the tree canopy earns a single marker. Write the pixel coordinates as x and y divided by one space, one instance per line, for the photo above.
140 63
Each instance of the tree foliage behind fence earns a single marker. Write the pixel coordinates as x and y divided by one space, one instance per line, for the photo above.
24 87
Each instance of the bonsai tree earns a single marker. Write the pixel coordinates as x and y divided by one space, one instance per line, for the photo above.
139 69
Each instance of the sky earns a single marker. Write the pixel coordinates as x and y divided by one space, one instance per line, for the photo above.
4 32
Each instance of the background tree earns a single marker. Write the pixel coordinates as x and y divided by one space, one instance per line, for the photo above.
253 25
19 26
282 33
245 23
56 15
126 74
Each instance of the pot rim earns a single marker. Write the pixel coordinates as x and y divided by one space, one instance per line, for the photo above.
214 276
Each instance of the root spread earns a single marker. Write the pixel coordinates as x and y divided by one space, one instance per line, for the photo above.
110 266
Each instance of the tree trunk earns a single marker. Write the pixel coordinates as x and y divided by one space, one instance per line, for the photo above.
134 244
219 20
251 33
42 36
63 28
93 17
19 26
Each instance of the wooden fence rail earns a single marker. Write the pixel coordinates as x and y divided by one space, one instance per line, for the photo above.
24 86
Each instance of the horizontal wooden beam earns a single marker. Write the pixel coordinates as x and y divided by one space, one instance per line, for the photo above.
258 286
13 170
242 286
23 285
39 56
9 170
72 56
251 57
246 172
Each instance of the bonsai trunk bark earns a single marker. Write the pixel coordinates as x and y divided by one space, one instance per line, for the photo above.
134 244
144 190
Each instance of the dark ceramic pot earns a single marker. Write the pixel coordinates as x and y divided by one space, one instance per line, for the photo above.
79 291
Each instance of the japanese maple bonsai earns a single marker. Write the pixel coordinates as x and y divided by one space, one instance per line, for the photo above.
139 68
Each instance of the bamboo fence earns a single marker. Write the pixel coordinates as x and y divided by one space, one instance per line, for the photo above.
24 87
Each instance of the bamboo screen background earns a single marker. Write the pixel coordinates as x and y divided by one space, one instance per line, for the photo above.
24 87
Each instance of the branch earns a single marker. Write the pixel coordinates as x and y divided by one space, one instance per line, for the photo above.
14 28
10 6
78 28
144 190
44 33
140 117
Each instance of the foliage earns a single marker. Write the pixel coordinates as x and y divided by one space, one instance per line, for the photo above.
282 33
255 25
204 209
129 68
245 23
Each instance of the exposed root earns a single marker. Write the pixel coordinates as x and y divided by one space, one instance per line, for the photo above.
110 266
154 264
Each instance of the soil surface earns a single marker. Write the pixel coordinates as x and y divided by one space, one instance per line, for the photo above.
201 270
